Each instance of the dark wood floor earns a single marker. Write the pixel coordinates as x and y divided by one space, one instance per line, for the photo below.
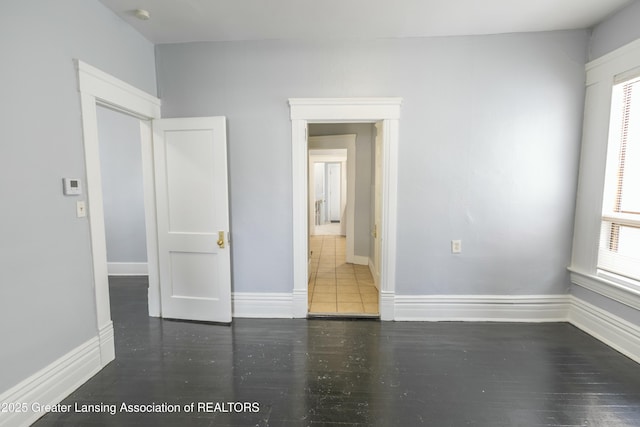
355 373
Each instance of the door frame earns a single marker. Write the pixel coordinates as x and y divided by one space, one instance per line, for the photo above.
99 88
343 141
324 160
344 110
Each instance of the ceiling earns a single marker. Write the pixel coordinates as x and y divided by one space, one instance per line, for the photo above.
177 21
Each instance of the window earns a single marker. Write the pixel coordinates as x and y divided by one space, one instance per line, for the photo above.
619 250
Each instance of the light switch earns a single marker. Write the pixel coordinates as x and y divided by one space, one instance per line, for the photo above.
456 246
81 209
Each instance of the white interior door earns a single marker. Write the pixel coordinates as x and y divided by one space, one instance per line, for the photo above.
190 159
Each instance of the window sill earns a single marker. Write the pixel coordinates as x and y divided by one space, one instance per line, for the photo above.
620 289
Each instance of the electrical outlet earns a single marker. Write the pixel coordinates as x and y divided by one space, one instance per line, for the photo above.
456 246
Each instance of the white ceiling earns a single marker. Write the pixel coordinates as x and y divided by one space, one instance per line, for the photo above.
175 21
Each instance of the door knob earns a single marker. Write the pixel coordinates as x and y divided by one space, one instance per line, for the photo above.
221 239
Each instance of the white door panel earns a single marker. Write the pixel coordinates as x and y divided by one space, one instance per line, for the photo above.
190 162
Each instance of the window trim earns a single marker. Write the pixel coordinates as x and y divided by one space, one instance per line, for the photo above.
601 75
610 285
614 218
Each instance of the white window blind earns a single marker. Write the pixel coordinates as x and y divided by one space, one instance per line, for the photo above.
620 233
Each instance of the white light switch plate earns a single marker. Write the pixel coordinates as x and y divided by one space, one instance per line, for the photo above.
456 246
81 209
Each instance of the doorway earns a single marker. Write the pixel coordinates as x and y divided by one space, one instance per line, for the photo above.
175 156
327 192
329 207
385 113
123 193
340 283
100 89
123 209
333 146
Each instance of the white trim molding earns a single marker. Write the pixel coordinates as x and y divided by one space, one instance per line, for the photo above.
262 305
601 75
360 260
107 342
116 93
99 88
51 385
127 268
482 308
344 110
612 330
387 305
624 294
620 60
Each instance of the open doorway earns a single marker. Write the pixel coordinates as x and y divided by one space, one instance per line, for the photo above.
124 211
122 193
100 89
340 199
385 114
332 147
176 156
328 198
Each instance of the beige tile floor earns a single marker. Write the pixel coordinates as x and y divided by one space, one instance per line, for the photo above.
338 287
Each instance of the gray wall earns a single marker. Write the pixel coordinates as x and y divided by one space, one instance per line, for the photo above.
362 203
47 305
489 142
121 169
620 29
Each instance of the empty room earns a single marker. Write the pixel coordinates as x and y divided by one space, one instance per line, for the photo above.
298 213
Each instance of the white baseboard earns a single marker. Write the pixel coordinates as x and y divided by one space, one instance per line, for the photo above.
360 260
300 303
107 344
52 384
612 330
482 308
387 306
262 305
127 269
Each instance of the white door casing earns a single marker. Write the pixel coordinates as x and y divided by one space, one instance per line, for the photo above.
377 209
190 161
99 88
345 110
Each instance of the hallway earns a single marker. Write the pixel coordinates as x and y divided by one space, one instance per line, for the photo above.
336 287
